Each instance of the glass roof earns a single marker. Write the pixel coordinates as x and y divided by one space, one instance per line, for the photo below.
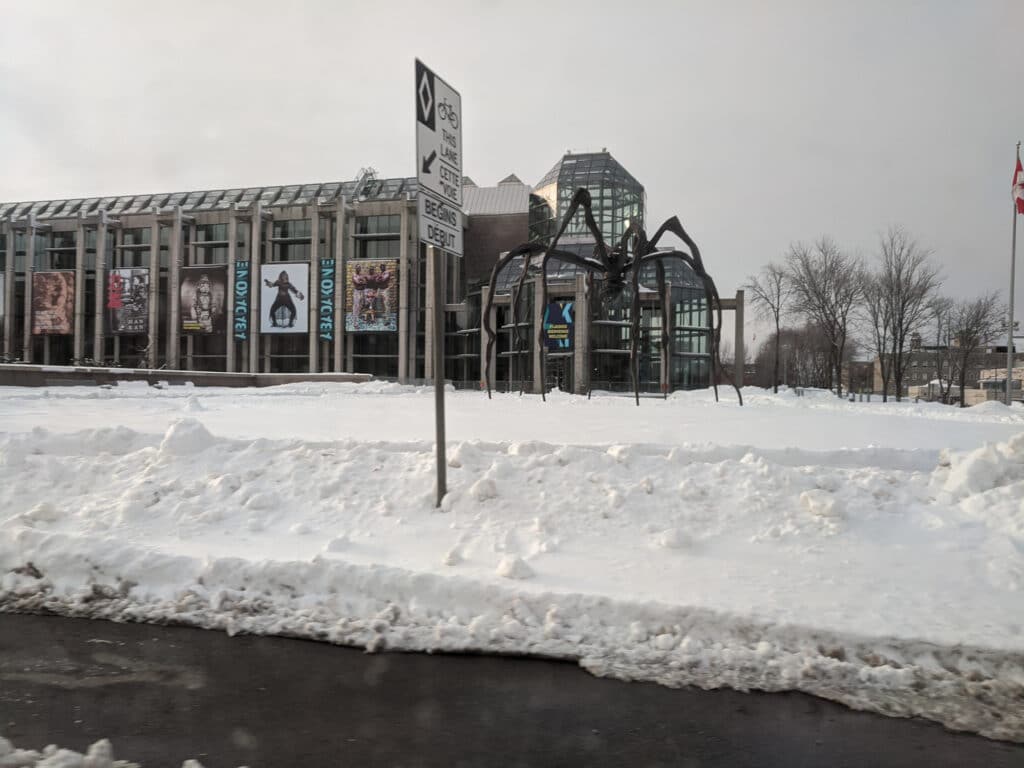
201 200
598 164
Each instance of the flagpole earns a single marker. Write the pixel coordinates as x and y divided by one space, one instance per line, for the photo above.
1013 269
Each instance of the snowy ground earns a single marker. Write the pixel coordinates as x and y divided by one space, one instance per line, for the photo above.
865 552
98 755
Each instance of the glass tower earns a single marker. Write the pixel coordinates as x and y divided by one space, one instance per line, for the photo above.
617 197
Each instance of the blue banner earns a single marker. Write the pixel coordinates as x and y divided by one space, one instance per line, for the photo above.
558 326
241 289
327 298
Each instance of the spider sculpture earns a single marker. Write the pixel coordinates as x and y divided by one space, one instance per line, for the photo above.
614 266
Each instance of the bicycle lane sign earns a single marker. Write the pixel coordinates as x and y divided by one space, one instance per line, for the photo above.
438 137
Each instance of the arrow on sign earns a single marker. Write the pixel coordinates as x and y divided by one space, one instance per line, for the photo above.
429 161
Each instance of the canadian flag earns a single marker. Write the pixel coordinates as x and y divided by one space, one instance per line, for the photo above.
1018 186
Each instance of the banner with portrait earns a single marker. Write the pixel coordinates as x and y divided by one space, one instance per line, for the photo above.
128 301
53 303
284 299
371 295
203 297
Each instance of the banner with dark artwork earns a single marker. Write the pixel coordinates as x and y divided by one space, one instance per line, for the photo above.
284 304
371 295
203 299
558 326
128 301
53 303
327 292
3 302
241 287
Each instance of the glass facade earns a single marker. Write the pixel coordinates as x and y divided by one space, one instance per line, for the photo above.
617 199
616 196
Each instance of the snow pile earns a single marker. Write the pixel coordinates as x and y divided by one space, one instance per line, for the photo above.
858 572
99 755
987 468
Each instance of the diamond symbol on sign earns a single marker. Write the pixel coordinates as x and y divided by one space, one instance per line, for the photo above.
426 97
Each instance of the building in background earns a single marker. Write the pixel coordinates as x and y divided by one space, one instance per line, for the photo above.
596 351
329 277
931 375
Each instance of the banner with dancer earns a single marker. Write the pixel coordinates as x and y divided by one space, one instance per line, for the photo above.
284 304
203 297
128 301
371 295
53 303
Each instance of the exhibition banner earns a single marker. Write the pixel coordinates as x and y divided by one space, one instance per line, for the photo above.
371 295
53 303
242 287
558 326
283 302
203 297
327 299
128 301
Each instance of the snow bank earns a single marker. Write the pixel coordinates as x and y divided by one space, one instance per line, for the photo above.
99 755
869 575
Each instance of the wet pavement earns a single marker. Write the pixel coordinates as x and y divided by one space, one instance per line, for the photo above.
163 694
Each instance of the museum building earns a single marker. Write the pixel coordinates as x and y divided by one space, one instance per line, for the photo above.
330 277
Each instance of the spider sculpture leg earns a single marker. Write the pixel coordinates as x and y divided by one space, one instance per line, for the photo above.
529 250
599 263
590 265
517 337
485 318
588 292
634 332
664 301
695 262
634 347
711 296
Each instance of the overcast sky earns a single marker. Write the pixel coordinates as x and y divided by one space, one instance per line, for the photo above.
758 123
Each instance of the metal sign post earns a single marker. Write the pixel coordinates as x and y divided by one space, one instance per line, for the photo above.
437 258
439 214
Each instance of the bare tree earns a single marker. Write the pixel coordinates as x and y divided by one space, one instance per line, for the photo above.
941 309
972 324
909 283
805 353
769 294
827 283
877 319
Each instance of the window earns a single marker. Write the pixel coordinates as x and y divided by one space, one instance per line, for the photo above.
294 228
378 237
211 233
291 240
378 249
379 225
136 237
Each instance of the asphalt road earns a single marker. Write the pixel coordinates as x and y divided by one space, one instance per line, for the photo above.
163 694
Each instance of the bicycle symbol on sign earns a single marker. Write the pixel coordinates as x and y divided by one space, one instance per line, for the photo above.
447 112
